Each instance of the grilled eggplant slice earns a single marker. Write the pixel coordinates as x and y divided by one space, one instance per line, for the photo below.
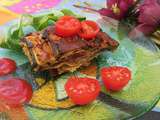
45 50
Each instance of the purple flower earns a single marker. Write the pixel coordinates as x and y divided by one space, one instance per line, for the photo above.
150 13
116 9
148 20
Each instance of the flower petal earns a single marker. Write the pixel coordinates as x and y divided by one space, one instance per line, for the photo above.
142 29
150 1
130 2
123 5
105 12
150 13
111 2
109 13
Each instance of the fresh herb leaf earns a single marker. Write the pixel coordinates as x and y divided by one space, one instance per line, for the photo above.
30 23
69 12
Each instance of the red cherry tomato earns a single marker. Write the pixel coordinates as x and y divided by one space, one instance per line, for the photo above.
82 90
67 26
115 78
89 29
15 91
7 66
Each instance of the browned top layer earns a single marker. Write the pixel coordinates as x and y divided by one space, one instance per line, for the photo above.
67 44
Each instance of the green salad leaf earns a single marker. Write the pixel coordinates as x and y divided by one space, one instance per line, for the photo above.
11 34
69 12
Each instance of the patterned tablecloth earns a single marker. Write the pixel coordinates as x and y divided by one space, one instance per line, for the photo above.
11 9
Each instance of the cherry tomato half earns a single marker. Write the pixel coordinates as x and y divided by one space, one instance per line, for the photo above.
7 66
15 91
67 26
89 29
116 77
82 90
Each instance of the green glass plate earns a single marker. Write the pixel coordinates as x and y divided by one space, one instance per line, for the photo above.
139 97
